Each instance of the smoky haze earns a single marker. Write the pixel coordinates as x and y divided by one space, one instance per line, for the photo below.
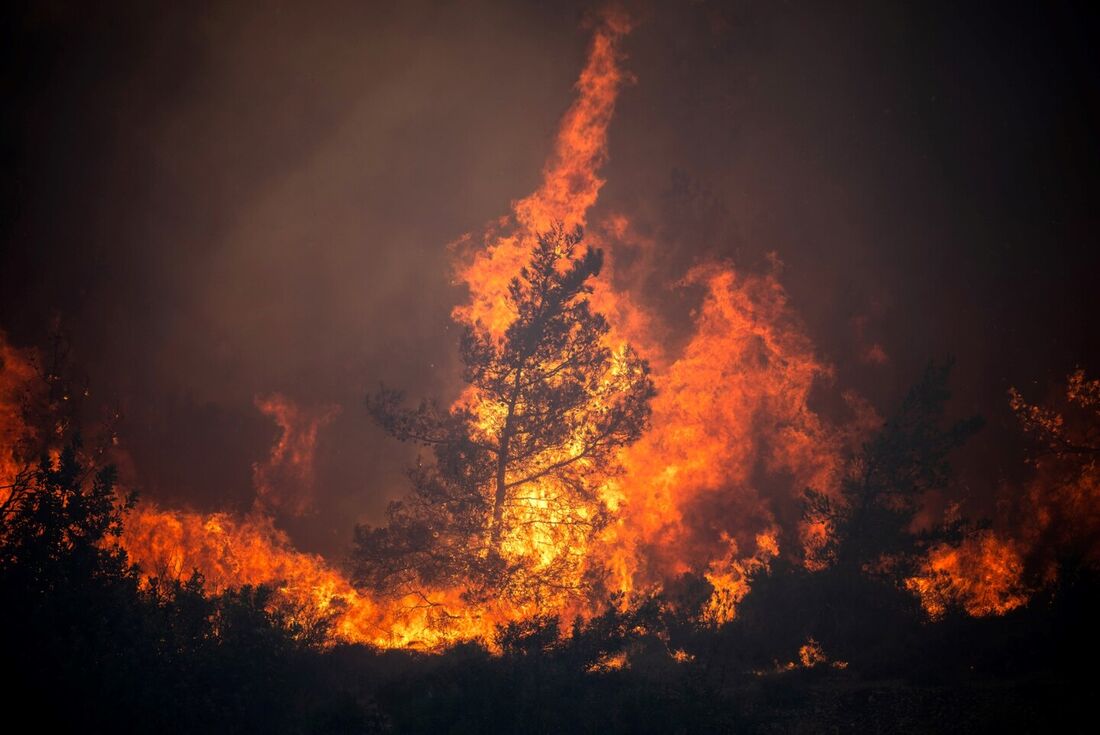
222 202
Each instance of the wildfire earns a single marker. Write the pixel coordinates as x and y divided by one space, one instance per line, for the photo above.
231 551
731 417
708 489
251 550
1055 517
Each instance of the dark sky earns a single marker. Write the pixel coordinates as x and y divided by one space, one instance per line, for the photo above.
226 199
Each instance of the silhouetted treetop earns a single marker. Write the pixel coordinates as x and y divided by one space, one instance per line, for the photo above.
549 402
906 458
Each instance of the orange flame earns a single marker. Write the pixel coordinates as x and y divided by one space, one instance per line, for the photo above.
232 551
731 414
982 575
569 188
17 375
1056 516
284 482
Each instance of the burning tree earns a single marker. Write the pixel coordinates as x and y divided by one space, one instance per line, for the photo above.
871 526
1061 511
512 496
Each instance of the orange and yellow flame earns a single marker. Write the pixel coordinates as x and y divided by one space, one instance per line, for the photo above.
983 575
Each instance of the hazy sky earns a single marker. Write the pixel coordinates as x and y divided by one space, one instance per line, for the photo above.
221 200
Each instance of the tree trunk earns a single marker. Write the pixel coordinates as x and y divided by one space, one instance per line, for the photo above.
501 493
498 499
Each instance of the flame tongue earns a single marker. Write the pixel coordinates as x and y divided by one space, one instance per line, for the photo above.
571 181
284 482
570 186
730 411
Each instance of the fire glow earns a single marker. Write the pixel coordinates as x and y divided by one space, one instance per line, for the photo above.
731 422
